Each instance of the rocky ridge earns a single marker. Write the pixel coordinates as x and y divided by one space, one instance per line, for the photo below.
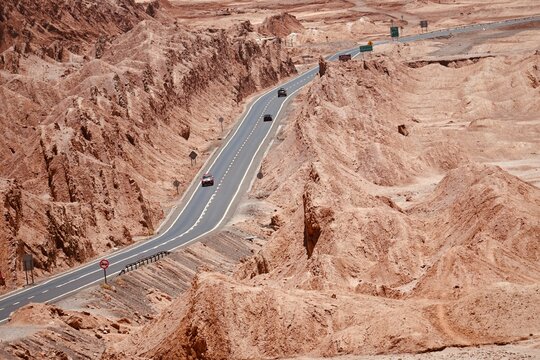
280 25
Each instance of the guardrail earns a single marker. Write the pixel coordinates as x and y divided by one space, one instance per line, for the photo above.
147 260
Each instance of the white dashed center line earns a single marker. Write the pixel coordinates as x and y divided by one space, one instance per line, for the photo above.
228 169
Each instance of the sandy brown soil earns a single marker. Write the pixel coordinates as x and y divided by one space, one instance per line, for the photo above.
399 207
522 351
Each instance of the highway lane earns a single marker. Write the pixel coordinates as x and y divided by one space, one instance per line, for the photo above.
206 209
444 33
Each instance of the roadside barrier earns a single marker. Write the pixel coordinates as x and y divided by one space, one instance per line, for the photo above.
147 260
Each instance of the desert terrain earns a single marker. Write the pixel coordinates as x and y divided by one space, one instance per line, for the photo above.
398 215
100 112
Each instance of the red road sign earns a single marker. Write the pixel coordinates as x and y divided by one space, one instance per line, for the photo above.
104 264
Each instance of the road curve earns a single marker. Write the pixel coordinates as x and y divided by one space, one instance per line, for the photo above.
206 209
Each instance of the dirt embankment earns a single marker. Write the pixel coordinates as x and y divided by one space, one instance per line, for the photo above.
95 134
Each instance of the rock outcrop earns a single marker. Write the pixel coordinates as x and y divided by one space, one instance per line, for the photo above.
486 230
280 25
322 66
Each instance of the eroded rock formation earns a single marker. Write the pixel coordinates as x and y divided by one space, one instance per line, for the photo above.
102 106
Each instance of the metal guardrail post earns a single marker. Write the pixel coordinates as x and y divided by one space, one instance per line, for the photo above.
147 260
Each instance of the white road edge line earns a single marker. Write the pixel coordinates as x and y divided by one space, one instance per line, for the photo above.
264 155
72 291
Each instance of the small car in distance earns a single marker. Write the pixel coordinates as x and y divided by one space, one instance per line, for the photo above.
207 180
281 92
267 117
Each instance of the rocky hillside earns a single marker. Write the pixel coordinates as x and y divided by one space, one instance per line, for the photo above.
280 25
84 325
99 116
356 263
57 28
486 231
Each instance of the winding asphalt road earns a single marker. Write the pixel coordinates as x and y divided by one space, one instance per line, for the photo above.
234 165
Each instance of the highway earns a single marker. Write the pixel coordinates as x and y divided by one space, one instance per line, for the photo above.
206 209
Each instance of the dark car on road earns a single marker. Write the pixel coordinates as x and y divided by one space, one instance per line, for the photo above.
267 117
207 180
281 92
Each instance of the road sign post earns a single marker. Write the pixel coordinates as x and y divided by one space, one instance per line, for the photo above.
104 264
193 157
423 25
394 31
221 122
28 265
176 184
366 48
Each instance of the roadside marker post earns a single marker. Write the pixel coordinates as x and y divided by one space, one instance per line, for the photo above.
28 265
104 264
423 25
394 32
193 157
